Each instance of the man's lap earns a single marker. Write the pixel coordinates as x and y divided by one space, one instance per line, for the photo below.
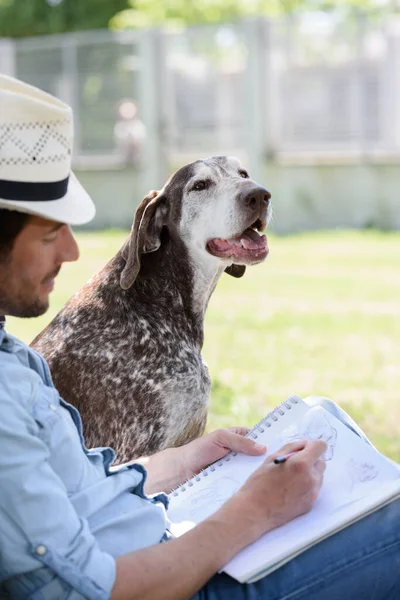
361 561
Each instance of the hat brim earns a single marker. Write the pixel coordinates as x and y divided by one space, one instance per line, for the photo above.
75 208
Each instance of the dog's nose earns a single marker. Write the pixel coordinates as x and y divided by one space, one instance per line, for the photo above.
256 198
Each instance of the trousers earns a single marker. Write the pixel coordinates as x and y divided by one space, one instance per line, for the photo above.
361 562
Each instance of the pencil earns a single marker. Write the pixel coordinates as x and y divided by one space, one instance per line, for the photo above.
281 459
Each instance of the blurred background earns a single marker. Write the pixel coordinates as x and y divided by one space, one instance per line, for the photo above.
307 94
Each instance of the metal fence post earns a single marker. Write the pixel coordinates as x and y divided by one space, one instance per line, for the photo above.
393 78
151 108
360 117
257 35
7 56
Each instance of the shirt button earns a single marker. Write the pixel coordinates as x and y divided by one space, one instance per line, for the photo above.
52 407
40 550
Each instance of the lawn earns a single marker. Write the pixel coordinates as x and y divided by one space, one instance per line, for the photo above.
320 317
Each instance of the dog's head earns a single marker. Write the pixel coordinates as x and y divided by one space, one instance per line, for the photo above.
218 212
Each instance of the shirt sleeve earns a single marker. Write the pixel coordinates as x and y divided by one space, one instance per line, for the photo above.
45 547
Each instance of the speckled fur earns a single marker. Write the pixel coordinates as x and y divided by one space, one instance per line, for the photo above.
130 359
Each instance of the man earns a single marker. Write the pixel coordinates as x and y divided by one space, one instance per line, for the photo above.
69 527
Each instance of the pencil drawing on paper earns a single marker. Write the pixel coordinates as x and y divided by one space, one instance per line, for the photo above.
314 426
361 472
203 502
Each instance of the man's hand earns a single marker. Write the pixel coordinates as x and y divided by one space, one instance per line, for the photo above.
272 495
211 447
172 467
275 494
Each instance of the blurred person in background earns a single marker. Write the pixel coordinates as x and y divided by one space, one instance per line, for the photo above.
129 133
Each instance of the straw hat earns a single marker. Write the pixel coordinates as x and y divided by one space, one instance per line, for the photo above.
36 136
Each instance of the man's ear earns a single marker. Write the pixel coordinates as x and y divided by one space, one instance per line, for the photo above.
150 217
235 270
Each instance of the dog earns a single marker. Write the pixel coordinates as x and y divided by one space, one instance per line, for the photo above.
126 349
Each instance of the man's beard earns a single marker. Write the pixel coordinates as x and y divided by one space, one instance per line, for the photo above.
21 307
25 303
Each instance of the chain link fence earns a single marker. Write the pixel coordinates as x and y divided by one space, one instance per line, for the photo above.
315 86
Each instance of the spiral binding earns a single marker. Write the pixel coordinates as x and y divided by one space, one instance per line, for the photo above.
274 415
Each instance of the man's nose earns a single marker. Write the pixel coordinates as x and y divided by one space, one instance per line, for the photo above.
255 197
68 248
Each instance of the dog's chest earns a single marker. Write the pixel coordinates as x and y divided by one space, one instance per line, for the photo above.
175 369
174 381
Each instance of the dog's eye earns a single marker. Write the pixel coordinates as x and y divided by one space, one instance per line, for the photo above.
243 174
201 185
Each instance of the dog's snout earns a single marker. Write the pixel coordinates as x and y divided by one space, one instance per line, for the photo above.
256 198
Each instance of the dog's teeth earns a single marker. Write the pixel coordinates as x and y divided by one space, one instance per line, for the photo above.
245 244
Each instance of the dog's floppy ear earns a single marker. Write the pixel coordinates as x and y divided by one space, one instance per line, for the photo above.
235 270
150 217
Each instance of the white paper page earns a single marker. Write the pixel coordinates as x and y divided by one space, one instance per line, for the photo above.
206 494
272 548
355 472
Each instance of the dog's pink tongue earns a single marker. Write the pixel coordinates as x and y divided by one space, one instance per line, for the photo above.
251 240
221 244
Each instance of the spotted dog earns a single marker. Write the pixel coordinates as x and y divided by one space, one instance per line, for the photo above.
126 349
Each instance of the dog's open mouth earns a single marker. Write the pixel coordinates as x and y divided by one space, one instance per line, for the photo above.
249 246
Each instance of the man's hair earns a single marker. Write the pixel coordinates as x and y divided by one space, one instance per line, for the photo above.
11 224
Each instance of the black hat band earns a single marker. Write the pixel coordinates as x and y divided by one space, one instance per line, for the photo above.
33 191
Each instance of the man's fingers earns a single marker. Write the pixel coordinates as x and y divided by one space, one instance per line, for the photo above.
239 430
234 439
290 447
238 443
314 450
307 451
320 466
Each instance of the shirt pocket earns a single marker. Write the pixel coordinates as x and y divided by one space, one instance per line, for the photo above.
58 431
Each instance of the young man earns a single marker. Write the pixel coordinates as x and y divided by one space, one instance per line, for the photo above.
69 527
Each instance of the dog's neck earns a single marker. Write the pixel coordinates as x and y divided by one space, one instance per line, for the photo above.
206 273
185 279
168 282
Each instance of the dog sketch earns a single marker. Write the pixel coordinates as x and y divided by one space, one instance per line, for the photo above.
126 349
314 425
361 472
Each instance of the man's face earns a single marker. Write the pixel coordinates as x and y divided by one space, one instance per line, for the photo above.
27 273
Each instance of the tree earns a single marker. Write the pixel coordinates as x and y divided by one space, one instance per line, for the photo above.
147 13
20 18
37 17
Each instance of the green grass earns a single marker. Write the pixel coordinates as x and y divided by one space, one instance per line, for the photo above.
320 317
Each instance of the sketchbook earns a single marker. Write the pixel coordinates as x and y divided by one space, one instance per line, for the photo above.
358 480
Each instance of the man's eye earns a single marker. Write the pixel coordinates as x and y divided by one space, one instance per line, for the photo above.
50 238
201 185
243 174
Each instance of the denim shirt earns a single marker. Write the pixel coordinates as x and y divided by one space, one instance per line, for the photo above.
64 516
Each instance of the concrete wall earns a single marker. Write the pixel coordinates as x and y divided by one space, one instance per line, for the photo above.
329 196
305 197
115 193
